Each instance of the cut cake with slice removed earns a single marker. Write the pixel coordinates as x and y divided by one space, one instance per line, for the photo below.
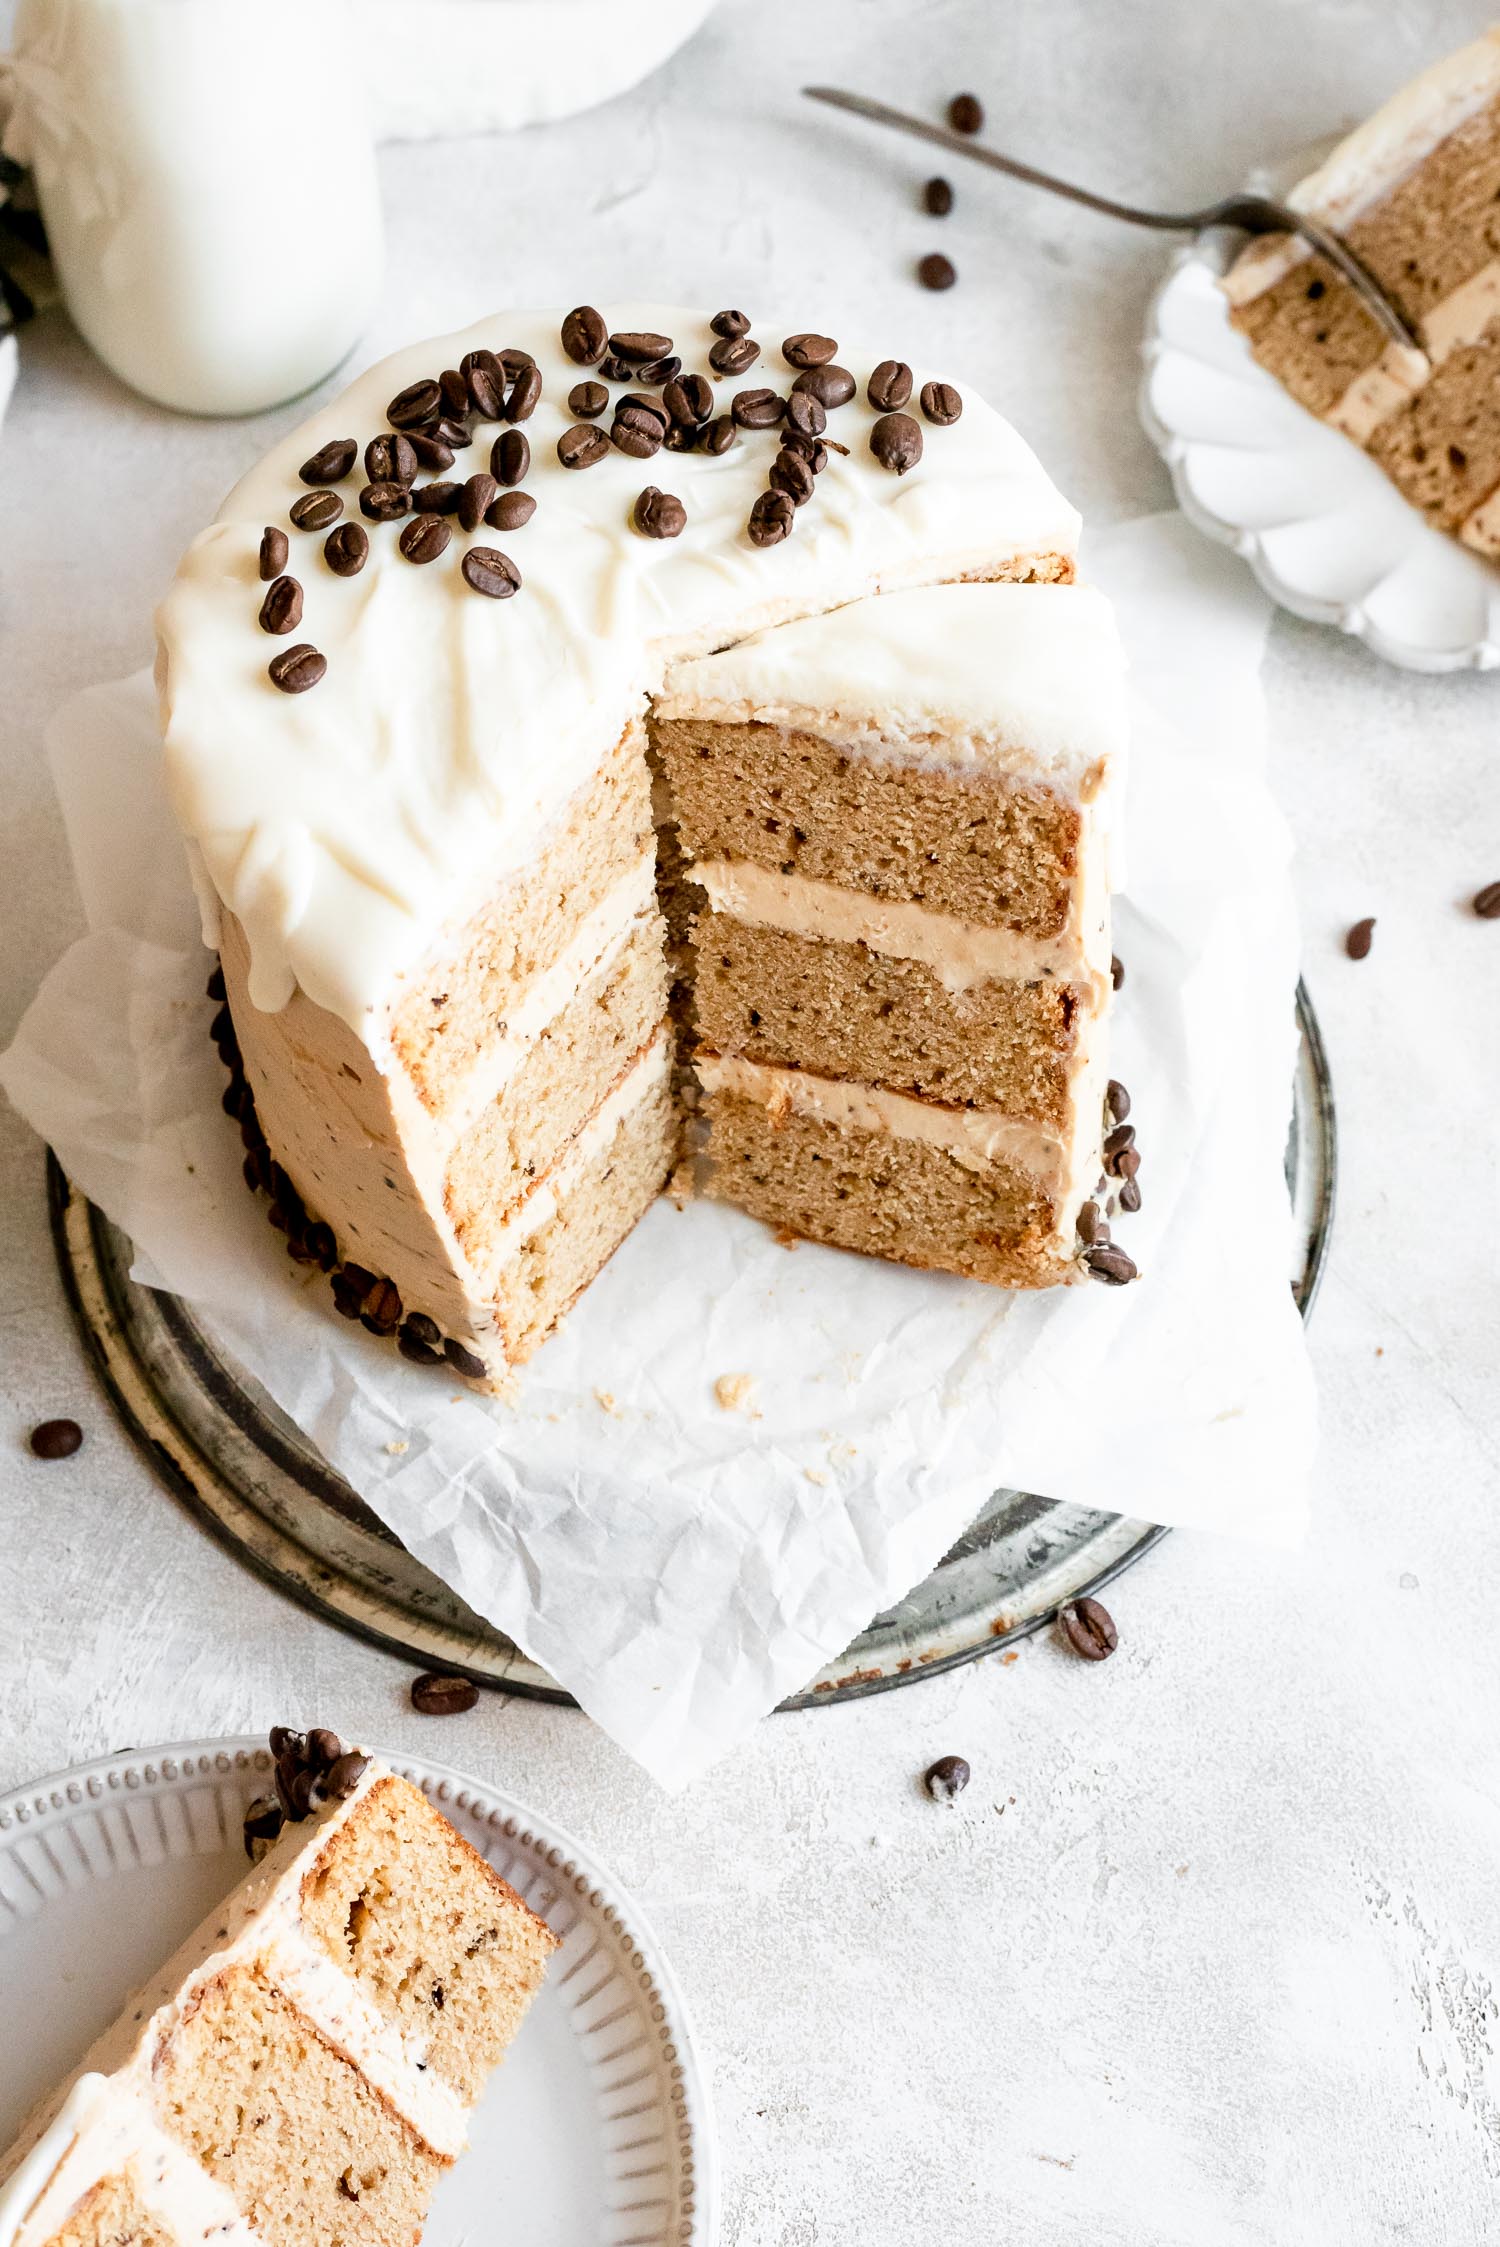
301 2071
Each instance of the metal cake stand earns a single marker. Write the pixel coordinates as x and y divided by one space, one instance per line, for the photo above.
248 1475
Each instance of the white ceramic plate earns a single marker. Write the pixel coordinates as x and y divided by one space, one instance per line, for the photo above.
597 2132
1326 533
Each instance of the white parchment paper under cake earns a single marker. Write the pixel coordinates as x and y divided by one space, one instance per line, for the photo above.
735 1452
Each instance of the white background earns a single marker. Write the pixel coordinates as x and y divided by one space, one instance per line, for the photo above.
1209 1953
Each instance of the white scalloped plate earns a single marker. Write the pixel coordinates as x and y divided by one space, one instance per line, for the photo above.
597 2132
1326 533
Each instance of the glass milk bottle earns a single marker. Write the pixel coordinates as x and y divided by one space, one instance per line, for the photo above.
207 176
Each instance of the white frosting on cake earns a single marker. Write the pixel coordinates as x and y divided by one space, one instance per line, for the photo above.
347 827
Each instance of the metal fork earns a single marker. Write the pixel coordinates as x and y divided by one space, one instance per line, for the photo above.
1252 214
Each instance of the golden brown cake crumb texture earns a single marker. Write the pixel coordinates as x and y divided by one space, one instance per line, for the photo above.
112 2214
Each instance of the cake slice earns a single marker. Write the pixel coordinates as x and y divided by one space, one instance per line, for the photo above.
893 829
301 2071
1415 192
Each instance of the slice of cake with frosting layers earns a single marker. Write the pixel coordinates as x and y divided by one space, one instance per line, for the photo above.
301 2071
1415 192
895 826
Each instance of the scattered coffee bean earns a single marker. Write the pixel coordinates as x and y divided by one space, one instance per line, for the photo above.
659 514
484 380
317 510
436 499
432 453
323 1749
791 472
582 446
1487 902
390 459
1090 1226
424 538
456 434
1357 942
730 324
689 400
56 1439
435 1695
612 369
1116 971
770 519
454 392
510 457
525 393
805 414
264 1819
639 437
659 371
757 409
889 386
1111 1265
346 550
720 434
476 499
802 351
491 572
281 610
1130 1195
351 1285
513 359
896 442
587 400
584 336
936 271
941 404
510 511
639 344
1088 1628
381 1313
1116 1143
731 355
297 669
832 386
345 1773
946 1779
274 550
463 1361
966 113
640 407
1117 1100
682 437
384 503
418 402
937 198
413 1346
811 449
330 463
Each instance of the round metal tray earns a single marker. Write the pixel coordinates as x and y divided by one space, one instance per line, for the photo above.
251 1477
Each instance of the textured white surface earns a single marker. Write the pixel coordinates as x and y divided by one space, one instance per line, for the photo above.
1207 1956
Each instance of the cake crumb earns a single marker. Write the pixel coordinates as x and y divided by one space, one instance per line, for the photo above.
606 1400
396 1449
734 1392
819 1475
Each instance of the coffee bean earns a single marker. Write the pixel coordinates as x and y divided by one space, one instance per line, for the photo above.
435 1695
274 550
805 414
384 503
832 386
792 473
584 336
889 386
682 437
1088 1628
937 198
731 355
1111 1265
281 610
801 351
1117 1100
659 371
418 402
1090 1226
390 459
640 344
689 400
297 669
612 369
730 324
1487 902
582 446
1118 1140
720 434
346 550
457 434
647 412
382 1308
757 409
966 113
411 1346
936 271
1130 1196
510 457
525 392
491 572
263 1822
770 519
323 1750
436 499
640 440
812 449
56 1439
941 404
432 453
1357 942
317 510
946 1779
510 511
463 1361
345 1774
513 359
330 463
350 1287
282 1739
476 499
424 538
1116 971
484 379
454 392
214 987
587 400
658 514
896 442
